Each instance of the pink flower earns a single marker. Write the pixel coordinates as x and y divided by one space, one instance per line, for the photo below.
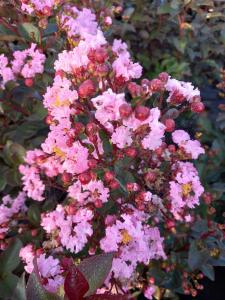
32 183
107 107
28 62
73 230
149 292
185 189
184 88
122 137
192 147
135 242
11 206
6 73
94 190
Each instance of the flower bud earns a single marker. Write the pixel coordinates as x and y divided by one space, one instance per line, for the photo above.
125 110
86 89
170 125
142 113
85 178
131 152
109 176
29 82
197 107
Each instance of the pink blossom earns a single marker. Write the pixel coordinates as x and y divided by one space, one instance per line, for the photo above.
107 107
32 183
185 189
122 137
90 192
11 206
135 242
28 62
149 292
184 88
73 230
192 147
6 72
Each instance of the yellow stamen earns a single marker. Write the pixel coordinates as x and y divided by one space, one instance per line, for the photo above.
186 189
126 238
59 152
59 103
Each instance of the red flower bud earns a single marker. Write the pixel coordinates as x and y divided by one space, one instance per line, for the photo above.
131 152
85 178
142 113
86 89
46 11
170 125
163 76
29 82
101 55
109 176
197 107
114 184
71 210
125 110
150 177
92 163
156 85
98 203
66 177
91 128
49 120
60 73
134 89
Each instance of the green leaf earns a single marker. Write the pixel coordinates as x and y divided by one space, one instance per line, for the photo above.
208 271
9 259
34 214
30 32
197 258
8 284
20 290
95 270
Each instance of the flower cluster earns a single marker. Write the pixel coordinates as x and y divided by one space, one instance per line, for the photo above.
49 268
114 151
8 209
26 63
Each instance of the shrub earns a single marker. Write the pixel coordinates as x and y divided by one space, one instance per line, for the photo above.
113 176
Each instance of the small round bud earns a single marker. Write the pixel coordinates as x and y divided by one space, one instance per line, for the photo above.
98 203
131 152
92 163
101 55
150 177
134 89
170 125
29 82
114 184
109 176
85 178
86 89
47 11
197 107
66 177
125 110
71 210
163 76
142 113
156 85
91 128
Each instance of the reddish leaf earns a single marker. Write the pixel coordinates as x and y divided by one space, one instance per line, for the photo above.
75 284
96 269
109 297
